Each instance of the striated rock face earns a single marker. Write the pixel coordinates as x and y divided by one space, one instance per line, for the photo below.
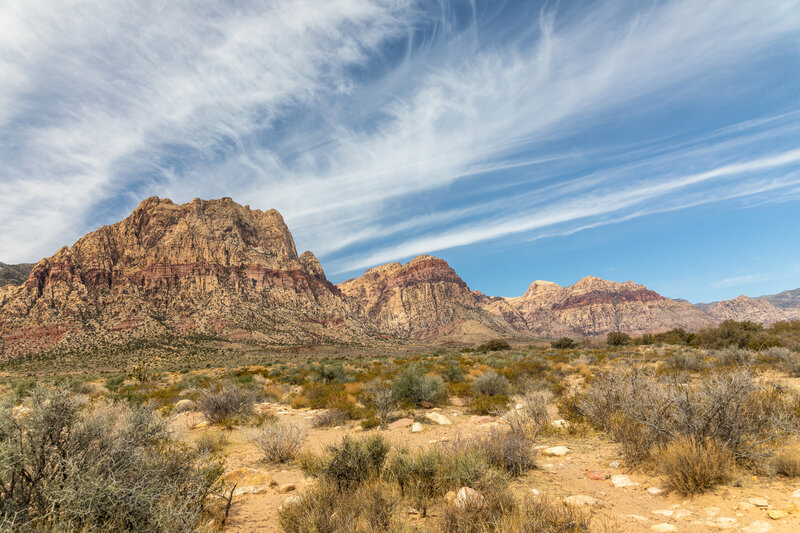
753 309
14 274
594 306
421 299
206 267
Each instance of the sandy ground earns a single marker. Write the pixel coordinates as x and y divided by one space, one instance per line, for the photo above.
627 508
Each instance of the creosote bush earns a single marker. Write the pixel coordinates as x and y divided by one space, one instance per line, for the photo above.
226 403
280 442
329 418
490 384
348 464
412 386
691 466
69 466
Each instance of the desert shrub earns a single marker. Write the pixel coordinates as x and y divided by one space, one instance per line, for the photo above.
743 334
323 508
494 345
380 396
563 343
618 338
452 373
508 451
490 384
115 382
734 356
692 466
683 361
348 464
377 502
327 374
209 443
68 466
788 360
225 403
537 513
489 405
532 415
787 463
731 407
329 418
417 476
485 514
673 336
280 442
414 387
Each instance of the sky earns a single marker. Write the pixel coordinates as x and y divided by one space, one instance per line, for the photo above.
654 141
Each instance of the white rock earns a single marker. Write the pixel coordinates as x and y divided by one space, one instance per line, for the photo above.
535 492
664 512
723 522
682 513
663 528
438 418
467 498
759 526
580 500
560 423
620 481
416 427
796 494
614 464
711 512
556 451
655 491
638 518
758 501
291 500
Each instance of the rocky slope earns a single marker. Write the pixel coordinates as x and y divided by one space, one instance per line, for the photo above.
212 267
594 306
784 300
423 298
14 274
753 309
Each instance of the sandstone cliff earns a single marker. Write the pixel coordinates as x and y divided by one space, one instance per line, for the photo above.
753 309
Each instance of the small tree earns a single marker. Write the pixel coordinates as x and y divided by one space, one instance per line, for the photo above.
563 343
618 338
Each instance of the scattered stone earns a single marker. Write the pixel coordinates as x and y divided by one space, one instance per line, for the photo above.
680 514
745 506
758 501
291 500
519 406
638 518
560 423
580 500
450 497
438 418
722 522
655 491
796 494
711 512
664 512
416 427
181 406
620 481
249 480
613 464
456 401
777 514
556 451
535 492
663 528
401 423
595 476
287 487
468 498
759 526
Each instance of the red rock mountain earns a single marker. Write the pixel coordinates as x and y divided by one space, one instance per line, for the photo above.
221 269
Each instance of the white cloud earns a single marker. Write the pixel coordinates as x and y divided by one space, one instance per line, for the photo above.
747 279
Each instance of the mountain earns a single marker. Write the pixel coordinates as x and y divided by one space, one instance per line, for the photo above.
222 272
211 267
754 309
422 299
14 274
594 306
784 300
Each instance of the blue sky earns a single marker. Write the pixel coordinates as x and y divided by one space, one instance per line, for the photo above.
652 141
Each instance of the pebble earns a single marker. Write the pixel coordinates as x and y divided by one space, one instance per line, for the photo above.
468 498
796 494
759 526
655 491
416 427
758 501
664 512
614 464
560 423
580 500
535 492
288 487
777 514
556 451
620 481
663 528
438 418
291 500
401 423
595 476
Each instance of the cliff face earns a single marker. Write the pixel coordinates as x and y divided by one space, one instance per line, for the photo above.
594 306
14 274
423 298
784 300
207 266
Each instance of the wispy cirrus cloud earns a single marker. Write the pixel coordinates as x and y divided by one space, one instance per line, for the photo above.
737 281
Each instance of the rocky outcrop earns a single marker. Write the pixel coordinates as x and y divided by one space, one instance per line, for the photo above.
594 306
212 267
14 274
784 300
423 298
752 309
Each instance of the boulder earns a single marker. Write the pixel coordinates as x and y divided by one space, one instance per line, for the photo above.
556 451
438 418
416 427
580 500
401 423
467 498
181 406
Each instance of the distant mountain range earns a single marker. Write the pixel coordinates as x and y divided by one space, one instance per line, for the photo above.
14 274
217 268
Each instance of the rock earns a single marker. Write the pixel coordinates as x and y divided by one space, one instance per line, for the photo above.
181 406
620 481
664 512
401 423
20 412
759 526
456 401
722 522
450 497
438 418
287 487
468 498
416 427
249 480
758 501
655 491
580 500
777 514
711 512
680 514
595 476
535 492
613 464
556 451
796 493
663 528
291 500
560 423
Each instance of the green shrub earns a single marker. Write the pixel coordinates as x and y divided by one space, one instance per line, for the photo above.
412 386
350 463
489 405
226 403
453 373
618 338
280 442
491 384
563 343
495 345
